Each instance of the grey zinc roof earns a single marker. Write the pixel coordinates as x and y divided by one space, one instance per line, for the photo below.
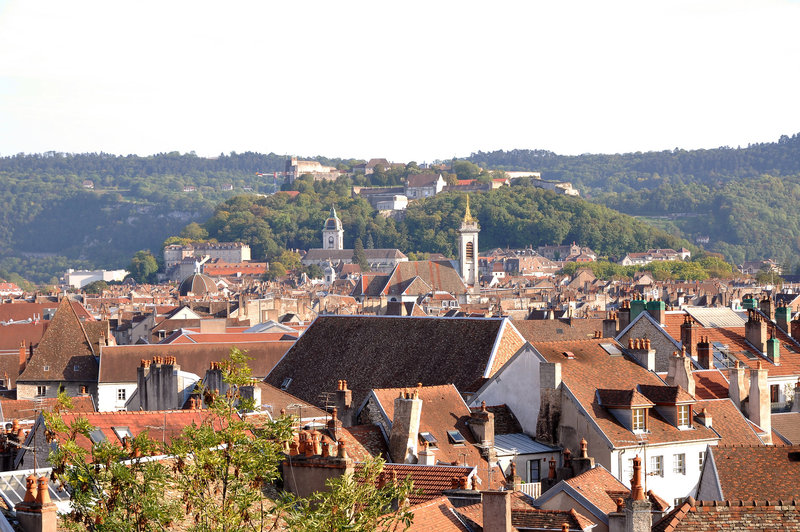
520 443
716 317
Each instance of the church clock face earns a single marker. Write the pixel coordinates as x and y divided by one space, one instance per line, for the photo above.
330 241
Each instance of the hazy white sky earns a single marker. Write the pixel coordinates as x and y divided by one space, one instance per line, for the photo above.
402 80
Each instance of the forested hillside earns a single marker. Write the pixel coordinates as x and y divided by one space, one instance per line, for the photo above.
510 216
741 199
51 221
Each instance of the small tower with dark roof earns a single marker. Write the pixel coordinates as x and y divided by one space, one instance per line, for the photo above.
332 232
468 248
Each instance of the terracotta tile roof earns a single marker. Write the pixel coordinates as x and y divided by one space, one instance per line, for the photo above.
28 408
370 437
709 384
529 518
622 398
160 425
758 472
787 424
438 275
437 514
229 337
17 311
387 351
599 487
13 334
67 349
707 516
560 329
728 421
443 410
593 368
278 400
119 363
740 349
665 394
431 481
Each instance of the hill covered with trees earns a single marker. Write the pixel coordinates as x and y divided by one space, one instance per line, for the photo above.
739 198
510 216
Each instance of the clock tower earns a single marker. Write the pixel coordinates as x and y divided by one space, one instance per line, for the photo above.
332 232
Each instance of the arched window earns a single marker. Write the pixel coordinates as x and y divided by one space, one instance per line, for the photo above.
470 251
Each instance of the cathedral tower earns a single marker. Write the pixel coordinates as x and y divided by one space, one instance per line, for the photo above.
468 248
332 232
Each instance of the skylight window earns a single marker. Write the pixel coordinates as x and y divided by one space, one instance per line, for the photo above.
456 437
286 382
97 436
430 438
122 432
611 349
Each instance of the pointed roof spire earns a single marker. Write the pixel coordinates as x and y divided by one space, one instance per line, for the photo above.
333 211
468 215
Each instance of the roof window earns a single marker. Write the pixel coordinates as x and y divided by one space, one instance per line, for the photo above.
97 436
430 438
122 432
456 438
286 382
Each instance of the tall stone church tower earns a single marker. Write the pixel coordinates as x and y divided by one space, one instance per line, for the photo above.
468 248
332 232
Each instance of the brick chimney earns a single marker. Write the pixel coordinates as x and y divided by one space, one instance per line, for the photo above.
496 511
641 350
758 407
783 317
705 354
481 423
766 307
37 513
737 388
344 403
689 335
680 372
426 455
794 325
610 325
755 330
633 514
705 418
23 358
513 481
624 315
405 427
335 425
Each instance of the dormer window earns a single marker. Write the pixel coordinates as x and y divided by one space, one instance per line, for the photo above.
639 419
684 417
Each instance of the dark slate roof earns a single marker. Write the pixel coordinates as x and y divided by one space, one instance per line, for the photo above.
67 349
382 352
198 284
422 180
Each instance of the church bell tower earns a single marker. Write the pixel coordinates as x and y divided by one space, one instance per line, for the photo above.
468 248
332 232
